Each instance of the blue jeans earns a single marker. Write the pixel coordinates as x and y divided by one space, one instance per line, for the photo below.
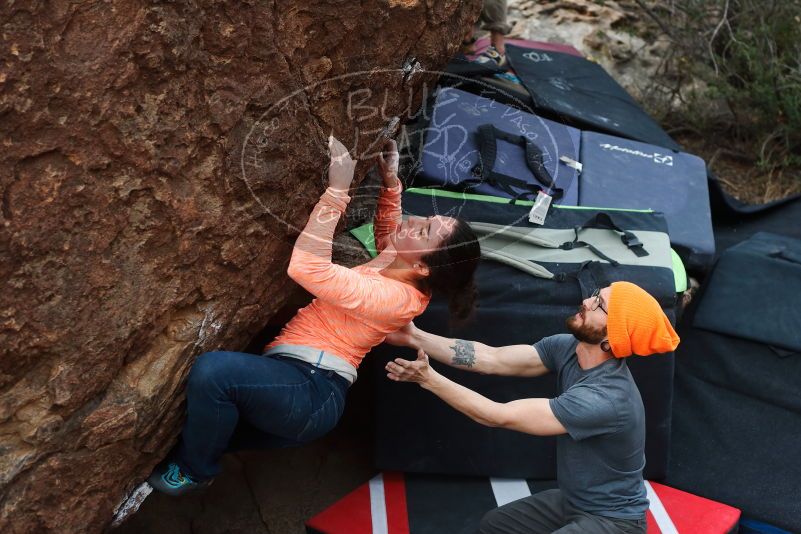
244 401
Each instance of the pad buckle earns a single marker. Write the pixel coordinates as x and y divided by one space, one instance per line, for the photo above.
631 240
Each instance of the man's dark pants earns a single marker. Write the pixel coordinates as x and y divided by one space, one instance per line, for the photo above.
548 512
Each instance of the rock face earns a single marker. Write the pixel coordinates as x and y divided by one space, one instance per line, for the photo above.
157 161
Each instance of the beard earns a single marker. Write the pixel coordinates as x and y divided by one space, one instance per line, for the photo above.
584 332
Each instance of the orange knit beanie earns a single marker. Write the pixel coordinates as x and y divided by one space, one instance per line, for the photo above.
637 324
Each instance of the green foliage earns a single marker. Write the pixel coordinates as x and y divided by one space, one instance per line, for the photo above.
746 53
759 70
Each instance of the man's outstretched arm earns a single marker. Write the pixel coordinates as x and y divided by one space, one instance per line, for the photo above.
511 360
532 416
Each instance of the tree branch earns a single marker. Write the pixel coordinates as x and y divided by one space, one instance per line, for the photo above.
656 19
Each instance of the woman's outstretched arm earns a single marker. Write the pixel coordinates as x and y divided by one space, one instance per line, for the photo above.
311 265
314 245
388 212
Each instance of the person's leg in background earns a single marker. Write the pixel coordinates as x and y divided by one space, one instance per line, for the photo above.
498 41
468 42
493 20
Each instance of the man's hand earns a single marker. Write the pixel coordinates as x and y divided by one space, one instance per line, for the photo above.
403 337
412 371
340 170
388 163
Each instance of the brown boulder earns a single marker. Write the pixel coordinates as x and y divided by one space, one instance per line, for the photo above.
157 161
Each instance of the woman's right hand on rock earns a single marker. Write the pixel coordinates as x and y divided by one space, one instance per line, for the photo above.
340 170
388 160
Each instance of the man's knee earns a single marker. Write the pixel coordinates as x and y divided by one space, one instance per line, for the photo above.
491 523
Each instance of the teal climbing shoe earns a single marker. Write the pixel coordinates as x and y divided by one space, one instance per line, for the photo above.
171 480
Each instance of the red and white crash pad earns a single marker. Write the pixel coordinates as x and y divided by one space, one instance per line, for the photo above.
394 503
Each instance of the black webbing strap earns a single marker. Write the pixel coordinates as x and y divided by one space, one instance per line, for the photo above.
591 276
487 138
604 221
570 245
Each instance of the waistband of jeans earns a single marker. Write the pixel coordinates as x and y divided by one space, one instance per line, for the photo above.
318 358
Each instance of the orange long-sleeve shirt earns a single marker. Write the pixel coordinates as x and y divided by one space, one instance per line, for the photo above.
356 308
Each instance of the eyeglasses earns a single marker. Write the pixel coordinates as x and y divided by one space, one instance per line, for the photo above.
597 304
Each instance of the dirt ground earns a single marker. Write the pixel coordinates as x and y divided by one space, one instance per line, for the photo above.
738 174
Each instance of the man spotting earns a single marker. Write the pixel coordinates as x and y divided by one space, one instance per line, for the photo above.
598 415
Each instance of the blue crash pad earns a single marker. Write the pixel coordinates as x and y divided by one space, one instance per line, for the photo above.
450 153
620 173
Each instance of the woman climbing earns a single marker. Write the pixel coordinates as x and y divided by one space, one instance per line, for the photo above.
295 392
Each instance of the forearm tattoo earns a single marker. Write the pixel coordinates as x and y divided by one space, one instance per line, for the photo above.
464 353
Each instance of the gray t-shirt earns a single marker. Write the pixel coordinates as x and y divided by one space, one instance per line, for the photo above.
600 459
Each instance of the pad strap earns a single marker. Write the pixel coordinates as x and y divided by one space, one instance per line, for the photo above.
487 137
